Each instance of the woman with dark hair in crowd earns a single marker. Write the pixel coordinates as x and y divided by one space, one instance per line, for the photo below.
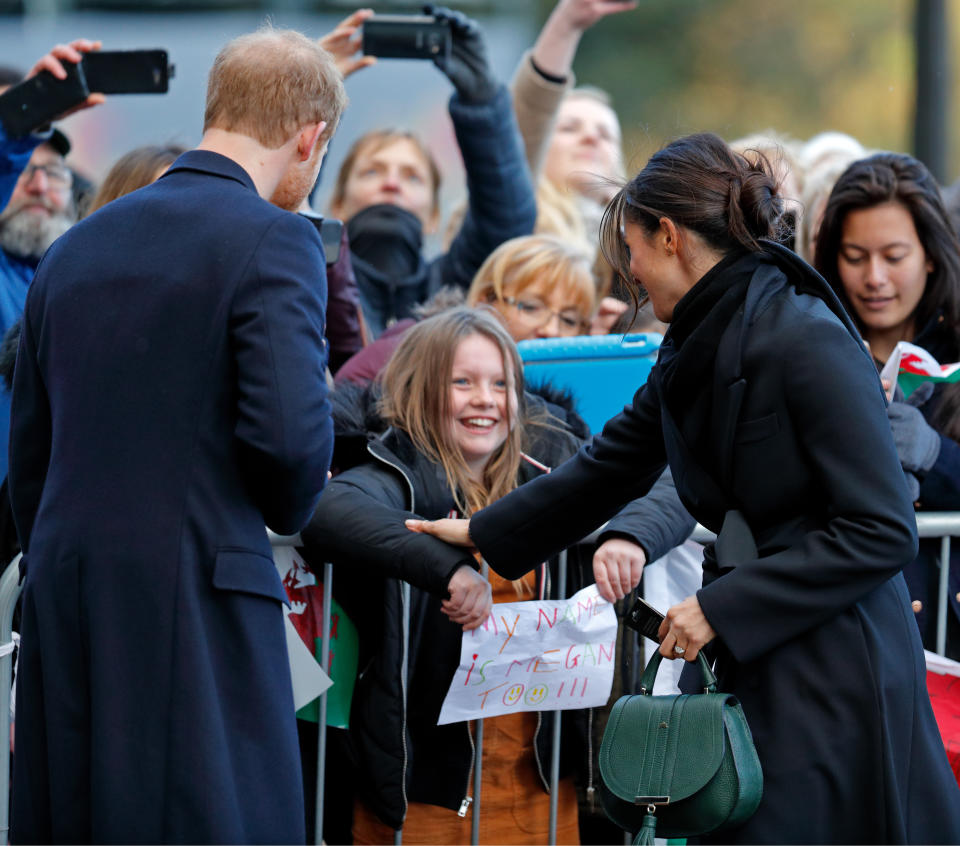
887 247
813 631
462 435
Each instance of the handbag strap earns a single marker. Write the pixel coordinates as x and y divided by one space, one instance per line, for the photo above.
650 674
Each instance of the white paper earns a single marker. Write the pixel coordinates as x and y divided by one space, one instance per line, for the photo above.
544 655
941 665
892 368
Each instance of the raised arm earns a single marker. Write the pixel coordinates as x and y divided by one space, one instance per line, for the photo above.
545 73
15 153
501 202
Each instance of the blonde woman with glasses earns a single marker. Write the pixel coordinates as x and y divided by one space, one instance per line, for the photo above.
540 286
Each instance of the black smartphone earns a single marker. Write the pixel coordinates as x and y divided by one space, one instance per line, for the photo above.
128 71
330 230
35 102
645 619
406 37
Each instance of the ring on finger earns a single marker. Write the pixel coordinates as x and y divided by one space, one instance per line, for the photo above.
679 650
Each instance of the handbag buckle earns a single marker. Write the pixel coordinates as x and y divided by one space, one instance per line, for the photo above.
651 800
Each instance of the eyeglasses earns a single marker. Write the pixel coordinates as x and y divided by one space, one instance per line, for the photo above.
57 175
535 314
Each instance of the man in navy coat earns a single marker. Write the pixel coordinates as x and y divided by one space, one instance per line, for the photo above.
169 400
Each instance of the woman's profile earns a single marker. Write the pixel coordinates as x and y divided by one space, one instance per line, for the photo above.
768 407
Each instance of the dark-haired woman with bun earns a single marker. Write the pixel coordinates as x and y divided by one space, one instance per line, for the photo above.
770 412
887 247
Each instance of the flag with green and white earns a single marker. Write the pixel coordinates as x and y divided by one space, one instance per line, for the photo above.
913 366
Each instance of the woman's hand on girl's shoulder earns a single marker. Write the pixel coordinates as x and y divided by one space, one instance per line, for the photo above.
456 532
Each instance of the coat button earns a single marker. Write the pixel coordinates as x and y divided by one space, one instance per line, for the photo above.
917 606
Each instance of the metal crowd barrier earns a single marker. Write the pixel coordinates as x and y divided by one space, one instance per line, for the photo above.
943 525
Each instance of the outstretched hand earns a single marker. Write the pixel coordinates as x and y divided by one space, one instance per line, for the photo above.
345 42
456 532
471 598
583 14
73 53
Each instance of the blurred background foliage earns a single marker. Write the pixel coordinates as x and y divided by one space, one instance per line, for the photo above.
671 66
740 66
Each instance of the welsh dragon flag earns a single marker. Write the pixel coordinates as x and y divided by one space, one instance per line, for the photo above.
913 366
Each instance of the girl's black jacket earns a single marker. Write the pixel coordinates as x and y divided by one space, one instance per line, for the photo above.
390 580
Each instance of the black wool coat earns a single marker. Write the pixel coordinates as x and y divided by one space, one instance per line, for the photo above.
821 646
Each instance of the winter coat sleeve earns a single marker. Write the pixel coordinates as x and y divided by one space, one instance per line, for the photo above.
359 522
501 199
536 101
656 522
544 516
867 533
284 430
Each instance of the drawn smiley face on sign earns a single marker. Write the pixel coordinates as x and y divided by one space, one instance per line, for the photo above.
513 694
535 695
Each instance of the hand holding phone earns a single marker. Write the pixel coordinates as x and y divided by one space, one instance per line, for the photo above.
36 101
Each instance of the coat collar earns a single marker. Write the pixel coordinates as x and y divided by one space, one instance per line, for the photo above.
711 497
215 164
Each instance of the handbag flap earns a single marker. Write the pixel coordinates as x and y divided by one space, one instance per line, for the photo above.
662 748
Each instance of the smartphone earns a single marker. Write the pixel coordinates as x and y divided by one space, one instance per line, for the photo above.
406 37
645 619
35 102
128 71
330 230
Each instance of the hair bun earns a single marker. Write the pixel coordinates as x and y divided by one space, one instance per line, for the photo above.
753 201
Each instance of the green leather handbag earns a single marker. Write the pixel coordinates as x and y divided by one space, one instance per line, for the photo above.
678 766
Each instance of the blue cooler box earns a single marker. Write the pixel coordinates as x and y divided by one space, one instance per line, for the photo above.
603 372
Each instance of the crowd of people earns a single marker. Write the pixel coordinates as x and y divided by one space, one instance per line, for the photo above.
176 380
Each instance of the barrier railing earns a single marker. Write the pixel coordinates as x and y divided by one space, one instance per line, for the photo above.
943 525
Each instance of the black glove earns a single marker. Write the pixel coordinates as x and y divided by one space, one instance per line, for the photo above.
466 66
917 442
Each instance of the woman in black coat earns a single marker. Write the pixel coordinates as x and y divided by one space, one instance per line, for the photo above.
765 402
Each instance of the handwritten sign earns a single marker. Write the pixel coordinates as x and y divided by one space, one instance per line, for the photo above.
547 655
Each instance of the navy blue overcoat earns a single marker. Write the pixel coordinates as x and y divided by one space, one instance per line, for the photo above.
169 400
820 643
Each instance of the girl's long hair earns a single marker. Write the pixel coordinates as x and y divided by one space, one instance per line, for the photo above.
416 399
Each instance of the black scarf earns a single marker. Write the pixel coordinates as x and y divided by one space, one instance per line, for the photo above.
689 348
392 276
